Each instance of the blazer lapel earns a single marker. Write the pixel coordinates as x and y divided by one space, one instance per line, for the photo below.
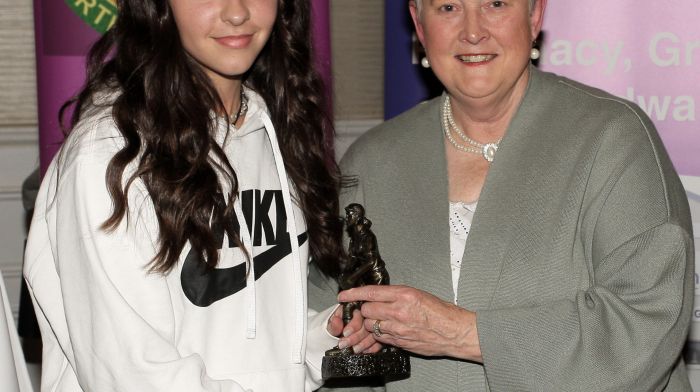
425 188
502 214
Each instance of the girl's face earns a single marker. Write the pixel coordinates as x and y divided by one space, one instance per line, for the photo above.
224 36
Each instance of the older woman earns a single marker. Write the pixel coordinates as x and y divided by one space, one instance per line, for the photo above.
536 229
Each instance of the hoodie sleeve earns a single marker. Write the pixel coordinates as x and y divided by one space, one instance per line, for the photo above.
98 305
318 340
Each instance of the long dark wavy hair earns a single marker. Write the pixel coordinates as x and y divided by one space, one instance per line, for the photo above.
162 107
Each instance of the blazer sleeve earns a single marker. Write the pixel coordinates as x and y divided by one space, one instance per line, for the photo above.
626 330
97 303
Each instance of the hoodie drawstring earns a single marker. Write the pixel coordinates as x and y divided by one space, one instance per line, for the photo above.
299 280
249 290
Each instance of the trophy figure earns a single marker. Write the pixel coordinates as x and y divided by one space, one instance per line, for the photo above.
364 266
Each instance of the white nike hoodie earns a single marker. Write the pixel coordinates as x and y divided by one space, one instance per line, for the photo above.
109 325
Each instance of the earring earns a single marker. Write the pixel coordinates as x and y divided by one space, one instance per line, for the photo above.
534 53
424 62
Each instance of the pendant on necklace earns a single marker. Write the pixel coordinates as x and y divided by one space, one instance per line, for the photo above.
489 151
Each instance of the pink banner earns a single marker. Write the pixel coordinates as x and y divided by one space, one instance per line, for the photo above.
646 52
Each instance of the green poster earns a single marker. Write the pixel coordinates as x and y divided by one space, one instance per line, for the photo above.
99 14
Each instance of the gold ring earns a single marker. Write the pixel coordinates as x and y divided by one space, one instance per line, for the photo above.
377 329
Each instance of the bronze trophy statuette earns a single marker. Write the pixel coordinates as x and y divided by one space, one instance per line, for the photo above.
363 267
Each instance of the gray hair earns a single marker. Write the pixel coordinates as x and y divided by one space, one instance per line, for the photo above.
419 4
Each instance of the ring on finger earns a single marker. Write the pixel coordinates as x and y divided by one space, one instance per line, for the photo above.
377 328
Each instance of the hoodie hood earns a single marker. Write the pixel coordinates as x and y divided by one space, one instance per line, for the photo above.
252 122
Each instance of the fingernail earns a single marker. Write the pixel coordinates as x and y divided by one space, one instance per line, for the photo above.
348 332
356 349
342 344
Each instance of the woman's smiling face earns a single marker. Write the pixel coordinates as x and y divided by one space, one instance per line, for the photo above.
478 48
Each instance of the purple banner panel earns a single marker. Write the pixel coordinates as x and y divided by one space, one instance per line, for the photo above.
321 35
62 41
646 52
322 43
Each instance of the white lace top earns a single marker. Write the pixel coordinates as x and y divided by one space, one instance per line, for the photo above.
461 215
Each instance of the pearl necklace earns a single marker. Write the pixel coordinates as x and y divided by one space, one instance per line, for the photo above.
487 150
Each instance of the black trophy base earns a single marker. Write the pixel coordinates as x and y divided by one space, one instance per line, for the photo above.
389 364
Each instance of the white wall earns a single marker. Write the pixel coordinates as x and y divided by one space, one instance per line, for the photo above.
18 157
692 185
18 133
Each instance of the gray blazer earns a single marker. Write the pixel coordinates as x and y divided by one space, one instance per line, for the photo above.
579 263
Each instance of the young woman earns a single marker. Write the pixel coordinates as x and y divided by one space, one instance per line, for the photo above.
172 233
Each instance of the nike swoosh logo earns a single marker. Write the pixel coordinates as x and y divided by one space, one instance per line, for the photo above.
203 286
